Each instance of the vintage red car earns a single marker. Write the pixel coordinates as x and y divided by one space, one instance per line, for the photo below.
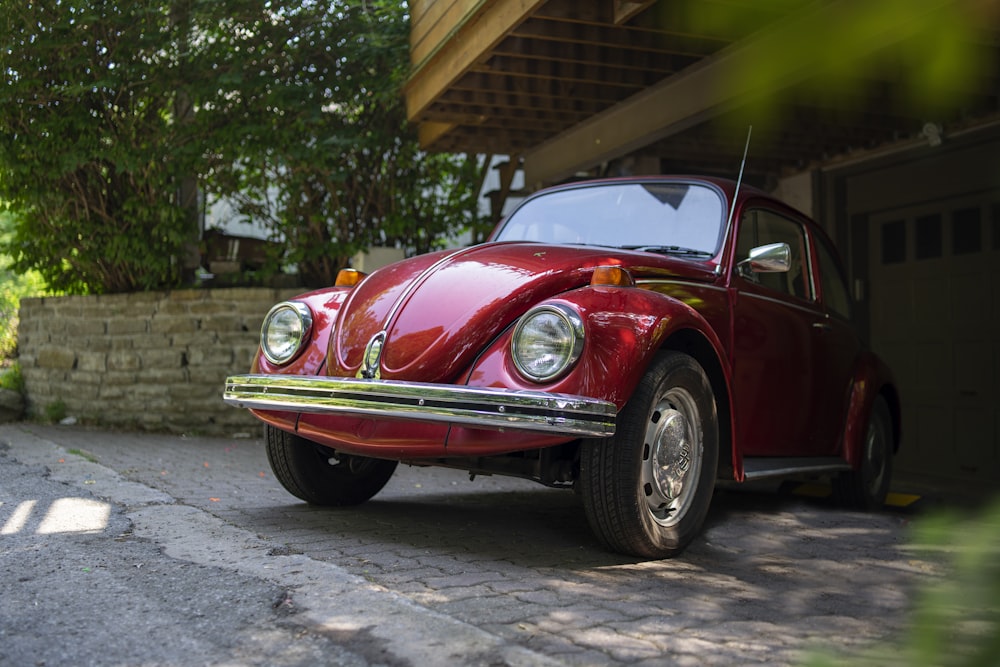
634 339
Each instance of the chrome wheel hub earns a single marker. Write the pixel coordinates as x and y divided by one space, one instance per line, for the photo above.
672 455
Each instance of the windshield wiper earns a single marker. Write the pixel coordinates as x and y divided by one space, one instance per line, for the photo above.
669 250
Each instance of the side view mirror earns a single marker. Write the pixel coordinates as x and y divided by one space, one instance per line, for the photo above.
770 258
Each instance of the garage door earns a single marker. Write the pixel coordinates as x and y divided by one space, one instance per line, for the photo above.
934 282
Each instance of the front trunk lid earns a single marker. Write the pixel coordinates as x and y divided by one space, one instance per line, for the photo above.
425 319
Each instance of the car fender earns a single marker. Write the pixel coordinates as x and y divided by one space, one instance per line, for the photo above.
324 305
624 328
872 378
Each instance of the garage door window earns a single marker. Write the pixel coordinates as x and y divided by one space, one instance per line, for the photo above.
929 236
966 231
996 226
894 242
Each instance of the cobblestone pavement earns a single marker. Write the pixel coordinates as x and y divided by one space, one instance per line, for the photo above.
771 577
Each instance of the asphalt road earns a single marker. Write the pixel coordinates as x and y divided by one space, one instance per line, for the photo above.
142 549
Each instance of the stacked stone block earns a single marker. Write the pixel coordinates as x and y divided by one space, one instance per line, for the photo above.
153 360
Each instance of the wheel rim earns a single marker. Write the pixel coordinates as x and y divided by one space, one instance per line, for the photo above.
671 457
875 457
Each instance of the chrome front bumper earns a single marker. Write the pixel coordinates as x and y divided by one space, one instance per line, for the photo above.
484 407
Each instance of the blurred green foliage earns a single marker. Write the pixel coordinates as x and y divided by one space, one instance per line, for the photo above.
844 51
955 621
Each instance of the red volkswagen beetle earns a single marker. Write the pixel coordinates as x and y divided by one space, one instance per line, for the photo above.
634 339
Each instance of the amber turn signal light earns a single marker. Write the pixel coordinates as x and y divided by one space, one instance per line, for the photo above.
349 277
615 276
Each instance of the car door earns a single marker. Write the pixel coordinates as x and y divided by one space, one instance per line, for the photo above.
836 347
780 336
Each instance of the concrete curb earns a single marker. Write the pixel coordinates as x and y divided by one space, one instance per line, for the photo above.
384 626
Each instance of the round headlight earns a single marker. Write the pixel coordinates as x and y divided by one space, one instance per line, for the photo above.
284 331
547 342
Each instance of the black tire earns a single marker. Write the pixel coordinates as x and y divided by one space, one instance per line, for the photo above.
867 487
646 489
320 476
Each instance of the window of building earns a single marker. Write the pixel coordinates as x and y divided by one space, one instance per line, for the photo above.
894 242
929 237
966 231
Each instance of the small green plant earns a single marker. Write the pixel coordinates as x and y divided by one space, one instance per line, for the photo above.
11 378
83 454
55 411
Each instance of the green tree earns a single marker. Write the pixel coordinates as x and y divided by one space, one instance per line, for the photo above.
111 111
13 287
324 155
89 151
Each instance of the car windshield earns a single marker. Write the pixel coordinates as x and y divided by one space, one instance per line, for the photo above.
672 218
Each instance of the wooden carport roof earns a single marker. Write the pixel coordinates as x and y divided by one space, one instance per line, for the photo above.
570 86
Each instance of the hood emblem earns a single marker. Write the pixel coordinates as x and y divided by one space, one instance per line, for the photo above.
373 355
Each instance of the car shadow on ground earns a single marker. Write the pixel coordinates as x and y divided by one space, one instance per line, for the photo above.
537 527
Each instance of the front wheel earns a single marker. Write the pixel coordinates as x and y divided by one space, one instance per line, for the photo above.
646 490
318 475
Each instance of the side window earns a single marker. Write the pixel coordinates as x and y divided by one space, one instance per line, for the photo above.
760 227
836 297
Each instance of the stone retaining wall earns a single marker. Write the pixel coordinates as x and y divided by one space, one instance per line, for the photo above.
154 360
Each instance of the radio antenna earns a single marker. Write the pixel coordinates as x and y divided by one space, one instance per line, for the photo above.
739 179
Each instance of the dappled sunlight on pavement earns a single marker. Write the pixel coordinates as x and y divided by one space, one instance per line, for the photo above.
63 515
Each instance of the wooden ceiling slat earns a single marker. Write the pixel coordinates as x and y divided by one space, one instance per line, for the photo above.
615 59
518 76
556 91
572 32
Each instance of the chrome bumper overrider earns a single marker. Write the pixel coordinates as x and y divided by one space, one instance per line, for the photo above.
559 414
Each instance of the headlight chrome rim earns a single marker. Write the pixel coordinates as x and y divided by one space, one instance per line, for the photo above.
282 352
568 353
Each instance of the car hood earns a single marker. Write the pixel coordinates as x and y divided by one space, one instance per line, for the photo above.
439 310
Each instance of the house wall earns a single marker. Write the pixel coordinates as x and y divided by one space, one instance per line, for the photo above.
797 192
153 360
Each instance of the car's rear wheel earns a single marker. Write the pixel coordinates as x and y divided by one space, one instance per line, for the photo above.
867 487
320 476
646 489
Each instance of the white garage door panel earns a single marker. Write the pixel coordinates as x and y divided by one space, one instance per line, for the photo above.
931 304
892 308
929 438
973 368
935 318
934 364
970 427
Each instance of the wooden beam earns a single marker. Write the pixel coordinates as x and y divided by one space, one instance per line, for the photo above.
624 9
704 90
429 133
470 42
